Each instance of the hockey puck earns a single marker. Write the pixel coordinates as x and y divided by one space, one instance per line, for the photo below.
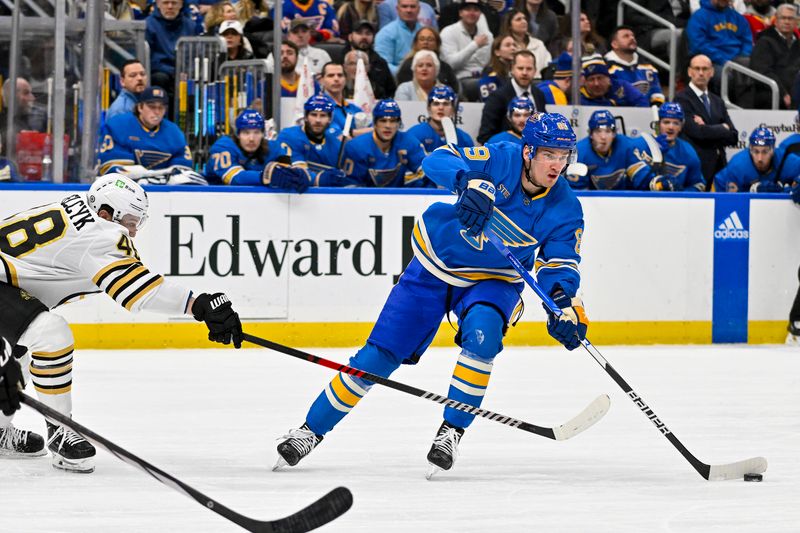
753 477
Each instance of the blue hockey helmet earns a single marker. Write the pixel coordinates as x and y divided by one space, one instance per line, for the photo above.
320 102
519 103
442 93
249 119
602 118
386 108
762 137
670 110
549 130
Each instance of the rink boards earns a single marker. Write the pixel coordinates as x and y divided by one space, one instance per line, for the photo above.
315 269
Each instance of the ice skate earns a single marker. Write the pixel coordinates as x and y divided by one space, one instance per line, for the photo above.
20 443
444 450
793 337
299 443
71 452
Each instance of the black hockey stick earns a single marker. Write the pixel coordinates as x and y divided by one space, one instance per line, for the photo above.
587 418
754 465
319 513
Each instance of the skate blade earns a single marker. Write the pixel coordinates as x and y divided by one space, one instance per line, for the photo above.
280 463
432 470
78 466
8 454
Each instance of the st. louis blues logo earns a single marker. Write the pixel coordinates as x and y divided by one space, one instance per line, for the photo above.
512 235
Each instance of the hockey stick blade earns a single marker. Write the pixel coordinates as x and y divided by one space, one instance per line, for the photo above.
322 511
586 419
449 129
756 465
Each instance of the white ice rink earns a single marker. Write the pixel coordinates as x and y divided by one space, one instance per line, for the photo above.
211 417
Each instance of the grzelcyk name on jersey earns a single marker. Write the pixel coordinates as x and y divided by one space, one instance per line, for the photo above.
731 228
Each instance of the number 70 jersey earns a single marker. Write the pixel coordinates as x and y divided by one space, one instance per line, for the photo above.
62 251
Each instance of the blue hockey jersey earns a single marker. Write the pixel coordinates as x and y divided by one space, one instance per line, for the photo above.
621 93
125 141
506 136
794 138
617 170
401 166
320 14
544 231
315 157
552 93
229 165
431 140
643 76
681 165
740 173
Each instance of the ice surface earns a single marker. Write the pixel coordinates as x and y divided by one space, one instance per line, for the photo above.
211 417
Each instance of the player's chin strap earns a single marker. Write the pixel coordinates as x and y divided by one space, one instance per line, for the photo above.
528 171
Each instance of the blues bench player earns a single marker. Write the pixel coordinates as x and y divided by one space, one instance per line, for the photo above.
442 102
515 191
760 168
246 158
57 253
519 109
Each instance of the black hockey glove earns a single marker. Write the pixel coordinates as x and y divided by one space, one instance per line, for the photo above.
218 314
475 202
11 382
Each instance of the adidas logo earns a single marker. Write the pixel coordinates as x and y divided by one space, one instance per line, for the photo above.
731 228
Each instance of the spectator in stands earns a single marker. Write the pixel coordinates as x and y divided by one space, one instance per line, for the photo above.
353 13
760 168
350 70
600 89
591 41
290 79
133 79
332 80
387 13
233 33
519 110
247 158
387 158
143 141
556 91
428 39
219 13
777 54
319 15
624 64
720 33
680 166
707 126
515 24
489 20
300 35
652 36
28 115
759 15
361 38
393 40
425 66
493 118
542 21
442 103
496 72
465 45
165 25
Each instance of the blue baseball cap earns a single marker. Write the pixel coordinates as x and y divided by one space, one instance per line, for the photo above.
154 93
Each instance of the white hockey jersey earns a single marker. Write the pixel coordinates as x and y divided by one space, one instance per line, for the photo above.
62 251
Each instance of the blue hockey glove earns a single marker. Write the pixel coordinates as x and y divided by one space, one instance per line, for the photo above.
661 183
570 328
663 143
282 176
476 201
332 177
766 186
796 193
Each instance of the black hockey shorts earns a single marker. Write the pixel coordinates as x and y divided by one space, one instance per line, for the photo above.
17 310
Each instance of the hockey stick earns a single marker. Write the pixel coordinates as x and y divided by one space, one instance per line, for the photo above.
754 465
348 123
450 135
322 511
587 418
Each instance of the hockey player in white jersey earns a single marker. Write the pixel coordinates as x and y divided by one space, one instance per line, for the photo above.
56 253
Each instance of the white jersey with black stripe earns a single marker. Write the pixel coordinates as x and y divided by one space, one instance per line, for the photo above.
62 251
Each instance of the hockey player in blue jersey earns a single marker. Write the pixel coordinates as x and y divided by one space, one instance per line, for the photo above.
315 145
600 89
388 157
519 109
609 156
246 158
141 141
679 169
515 191
442 102
761 168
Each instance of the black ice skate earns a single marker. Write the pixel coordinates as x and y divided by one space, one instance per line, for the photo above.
20 443
299 443
70 451
444 450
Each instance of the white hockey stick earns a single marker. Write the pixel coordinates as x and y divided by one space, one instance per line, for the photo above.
449 128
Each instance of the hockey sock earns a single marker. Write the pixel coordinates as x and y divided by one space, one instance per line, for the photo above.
50 342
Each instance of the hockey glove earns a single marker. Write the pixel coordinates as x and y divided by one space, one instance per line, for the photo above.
766 186
333 177
218 314
476 201
570 328
661 183
11 381
283 176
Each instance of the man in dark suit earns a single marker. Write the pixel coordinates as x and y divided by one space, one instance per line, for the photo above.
523 70
708 126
